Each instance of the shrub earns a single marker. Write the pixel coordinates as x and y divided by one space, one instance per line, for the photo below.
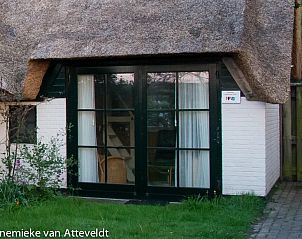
44 165
33 173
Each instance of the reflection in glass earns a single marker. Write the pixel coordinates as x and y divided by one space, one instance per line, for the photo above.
161 90
161 119
100 123
161 167
193 90
120 89
99 91
161 137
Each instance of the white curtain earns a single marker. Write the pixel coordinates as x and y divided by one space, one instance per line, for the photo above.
194 165
87 157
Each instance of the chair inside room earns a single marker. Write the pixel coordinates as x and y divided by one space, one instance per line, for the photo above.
116 170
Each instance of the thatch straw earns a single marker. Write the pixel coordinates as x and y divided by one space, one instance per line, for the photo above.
257 33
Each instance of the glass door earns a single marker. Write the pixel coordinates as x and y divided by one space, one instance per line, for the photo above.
106 128
178 129
146 129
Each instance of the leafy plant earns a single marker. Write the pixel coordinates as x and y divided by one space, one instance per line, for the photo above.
44 165
12 195
33 172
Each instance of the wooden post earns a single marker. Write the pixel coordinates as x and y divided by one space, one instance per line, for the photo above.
287 163
296 76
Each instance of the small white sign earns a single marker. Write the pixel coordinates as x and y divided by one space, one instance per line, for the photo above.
230 97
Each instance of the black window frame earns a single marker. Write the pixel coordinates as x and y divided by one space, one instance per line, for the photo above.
177 110
105 147
141 189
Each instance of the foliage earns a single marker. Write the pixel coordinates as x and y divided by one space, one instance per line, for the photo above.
45 164
35 175
11 194
200 203
31 172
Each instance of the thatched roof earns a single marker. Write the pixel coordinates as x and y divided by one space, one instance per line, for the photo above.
257 33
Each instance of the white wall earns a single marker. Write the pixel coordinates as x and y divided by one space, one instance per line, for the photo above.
243 148
51 121
250 142
272 141
250 147
3 135
51 118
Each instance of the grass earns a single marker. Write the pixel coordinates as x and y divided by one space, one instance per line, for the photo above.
196 218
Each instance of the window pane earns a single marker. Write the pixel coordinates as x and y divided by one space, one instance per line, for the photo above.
100 132
158 137
120 168
161 167
161 90
193 90
194 168
87 163
161 119
23 124
120 89
87 128
100 91
194 129
86 98
120 129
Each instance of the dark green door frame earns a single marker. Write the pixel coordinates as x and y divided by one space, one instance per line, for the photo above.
140 189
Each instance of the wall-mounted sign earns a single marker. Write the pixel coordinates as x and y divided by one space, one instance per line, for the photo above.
230 97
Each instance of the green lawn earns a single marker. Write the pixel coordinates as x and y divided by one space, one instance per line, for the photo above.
221 218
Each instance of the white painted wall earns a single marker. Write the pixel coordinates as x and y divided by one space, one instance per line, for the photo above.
243 148
51 122
250 147
272 141
3 135
250 142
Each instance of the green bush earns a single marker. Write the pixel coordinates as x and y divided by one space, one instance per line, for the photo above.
33 173
44 164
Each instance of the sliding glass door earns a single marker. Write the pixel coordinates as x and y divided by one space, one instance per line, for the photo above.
150 128
106 136
178 129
